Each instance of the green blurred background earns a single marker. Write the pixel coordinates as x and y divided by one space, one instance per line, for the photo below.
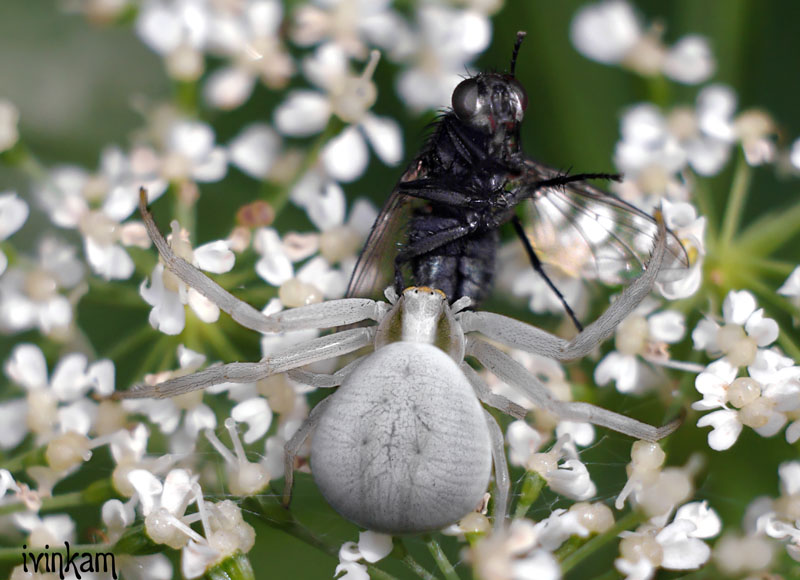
74 84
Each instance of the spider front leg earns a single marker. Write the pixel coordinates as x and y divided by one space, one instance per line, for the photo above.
514 374
516 334
323 315
317 349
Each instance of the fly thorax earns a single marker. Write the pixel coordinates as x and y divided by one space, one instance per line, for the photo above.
422 315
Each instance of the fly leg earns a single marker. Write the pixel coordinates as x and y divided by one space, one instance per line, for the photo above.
537 265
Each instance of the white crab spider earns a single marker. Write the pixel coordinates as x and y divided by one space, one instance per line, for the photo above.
404 445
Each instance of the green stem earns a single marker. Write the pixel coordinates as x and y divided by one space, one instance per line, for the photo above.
736 200
531 488
770 232
445 567
415 567
161 344
769 266
600 540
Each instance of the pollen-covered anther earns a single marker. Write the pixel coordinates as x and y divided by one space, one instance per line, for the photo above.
67 450
475 523
294 293
647 456
757 413
634 548
743 391
98 226
740 349
42 411
595 517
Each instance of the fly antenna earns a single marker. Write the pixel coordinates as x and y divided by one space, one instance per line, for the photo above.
520 37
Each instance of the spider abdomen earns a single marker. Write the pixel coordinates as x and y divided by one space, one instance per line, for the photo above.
404 446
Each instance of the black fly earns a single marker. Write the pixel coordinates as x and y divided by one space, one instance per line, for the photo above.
469 180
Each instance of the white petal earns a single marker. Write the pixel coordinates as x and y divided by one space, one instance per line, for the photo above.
255 149
13 423
121 201
352 571
738 306
726 428
228 88
199 419
177 486
791 287
690 60
303 113
147 486
345 156
13 213
27 367
256 414
204 308
192 139
704 336
540 564
70 380
167 314
793 432
211 168
189 359
215 257
274 266
110 261
326 66
682 553
572 480
196 559
605 31
159 28
374 546
668 326
385 137
706 521
763 330
523 441
78 416
326 209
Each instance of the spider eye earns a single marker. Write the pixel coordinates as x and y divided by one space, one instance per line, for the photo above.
521 94
465 99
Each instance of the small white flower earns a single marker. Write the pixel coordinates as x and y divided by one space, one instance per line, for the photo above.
29 294
53 406
745 331
350 98
611 32
640 339
167 294
248 35
446 39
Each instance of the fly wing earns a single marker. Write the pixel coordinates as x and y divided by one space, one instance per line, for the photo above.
589 232
374 269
